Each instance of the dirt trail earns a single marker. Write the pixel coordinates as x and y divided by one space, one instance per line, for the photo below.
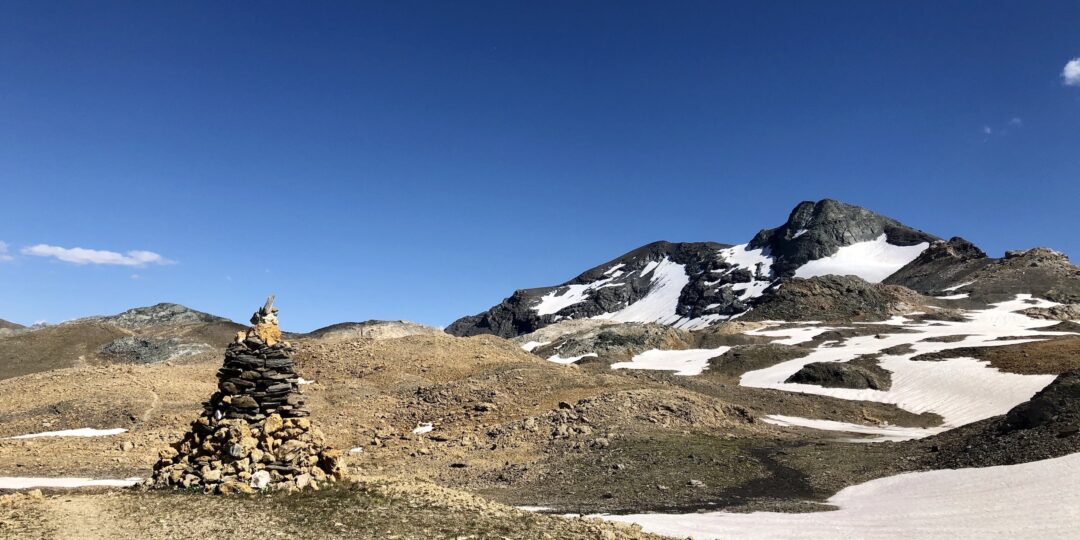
80 518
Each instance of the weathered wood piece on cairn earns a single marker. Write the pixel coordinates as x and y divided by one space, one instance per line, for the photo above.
254 433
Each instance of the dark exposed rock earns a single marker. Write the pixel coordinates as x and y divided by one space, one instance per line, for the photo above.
818 229
858 374
148 350
959 267
1058 403
831 298
628 284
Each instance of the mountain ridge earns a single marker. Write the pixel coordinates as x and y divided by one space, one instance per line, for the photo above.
714 281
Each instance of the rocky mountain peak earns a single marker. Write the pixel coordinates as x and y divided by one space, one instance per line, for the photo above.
164 314
815 230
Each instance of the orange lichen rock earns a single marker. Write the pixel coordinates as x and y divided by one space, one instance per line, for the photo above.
264 324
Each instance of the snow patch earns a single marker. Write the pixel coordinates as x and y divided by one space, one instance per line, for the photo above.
422 428
961 390
684 362
530 345
961 285
798 233
568 360
660 303
960 296
1031 500
23 482
873 261
81 432
885 433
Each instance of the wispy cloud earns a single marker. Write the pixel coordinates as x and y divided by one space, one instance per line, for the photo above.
1071 74
1014 123
4 252
96 256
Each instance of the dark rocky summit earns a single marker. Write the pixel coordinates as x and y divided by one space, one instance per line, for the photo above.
253 433
722 280
818 229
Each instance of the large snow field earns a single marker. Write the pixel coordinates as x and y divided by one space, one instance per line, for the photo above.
1032 500
961 390
873 260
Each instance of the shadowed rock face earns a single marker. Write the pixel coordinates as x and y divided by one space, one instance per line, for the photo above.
818 229
1057 404
855 374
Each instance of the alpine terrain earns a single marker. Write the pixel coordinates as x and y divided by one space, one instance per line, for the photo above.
840 375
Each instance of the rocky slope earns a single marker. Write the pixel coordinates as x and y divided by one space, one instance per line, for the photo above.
6 325
372 330
957 267
693 285
148 334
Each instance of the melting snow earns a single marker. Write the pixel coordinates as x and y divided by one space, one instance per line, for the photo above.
423 427
742 257
530 345
873 261
660 303
954 287
684 362
20 482
885 433
961 390
792 336
563 297
953 296
568 360
1032 500
81 432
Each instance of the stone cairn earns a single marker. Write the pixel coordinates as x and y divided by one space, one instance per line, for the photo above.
254 433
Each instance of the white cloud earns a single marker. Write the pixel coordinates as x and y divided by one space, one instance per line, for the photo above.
96 256
987 130
4 252
1071 74
1016 121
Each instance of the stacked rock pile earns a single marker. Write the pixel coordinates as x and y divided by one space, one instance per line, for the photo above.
253 433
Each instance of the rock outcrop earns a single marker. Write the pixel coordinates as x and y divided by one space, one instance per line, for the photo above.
253 433
858 374
832 298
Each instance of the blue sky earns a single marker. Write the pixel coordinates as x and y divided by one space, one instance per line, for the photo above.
421 160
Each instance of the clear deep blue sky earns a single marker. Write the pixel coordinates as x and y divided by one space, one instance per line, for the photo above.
422 160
